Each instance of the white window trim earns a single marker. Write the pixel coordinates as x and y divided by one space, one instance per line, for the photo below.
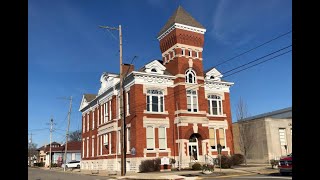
83 148
93 119
105 139
215 139
101 119
189 52
191 101
159 102
88 119
101 137
218 106
165 138
127 103
119 110
92 147
128 139
83 124
153 138
197 54
110 110
119 142
194 79
87 147
97 152
173 53
110 145
183 52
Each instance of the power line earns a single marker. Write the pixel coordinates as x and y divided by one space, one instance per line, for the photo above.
257 59
252 48
258 63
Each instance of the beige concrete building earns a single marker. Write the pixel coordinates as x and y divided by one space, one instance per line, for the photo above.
267 136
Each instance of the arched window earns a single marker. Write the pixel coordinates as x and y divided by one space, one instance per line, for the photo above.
153 70
214 105
190 76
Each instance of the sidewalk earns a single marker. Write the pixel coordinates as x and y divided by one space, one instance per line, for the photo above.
178 175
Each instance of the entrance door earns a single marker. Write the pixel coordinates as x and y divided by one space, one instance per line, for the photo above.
193 150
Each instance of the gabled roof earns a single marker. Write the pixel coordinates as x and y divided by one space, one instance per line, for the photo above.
155 63
72 146
180 16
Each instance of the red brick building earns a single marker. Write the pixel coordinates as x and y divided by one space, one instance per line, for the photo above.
172 107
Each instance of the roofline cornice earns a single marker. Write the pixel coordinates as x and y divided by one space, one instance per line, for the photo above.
181 26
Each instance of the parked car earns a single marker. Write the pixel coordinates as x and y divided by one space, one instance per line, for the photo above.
72 164
285 165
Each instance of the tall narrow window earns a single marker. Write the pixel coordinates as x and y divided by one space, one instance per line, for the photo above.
190 76
183 52
283 141
110 143
150 138
93 120
87 147
83 124
197 54
110 109
189 52
119 142
162 138
222 138
83 148
92 147
101 137
128 139
101 117
105 139
119 110
192 101
106 114
128 104
212 140
169 56
214 105
155 101
97 151
88 122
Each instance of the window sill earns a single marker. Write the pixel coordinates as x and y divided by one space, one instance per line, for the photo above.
148 112
209 115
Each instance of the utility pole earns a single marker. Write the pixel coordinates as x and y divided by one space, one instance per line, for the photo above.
51 125
30 154
122 116
67 134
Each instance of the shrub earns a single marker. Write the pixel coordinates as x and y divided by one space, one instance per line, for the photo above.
237 159
196 166
226 161
172 161
150 165
274 162
208 167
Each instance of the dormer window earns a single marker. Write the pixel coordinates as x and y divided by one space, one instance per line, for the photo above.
153 70
212 77
190 76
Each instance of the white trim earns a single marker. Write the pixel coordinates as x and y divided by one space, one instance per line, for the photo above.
156 122
165 137
154 143
181 26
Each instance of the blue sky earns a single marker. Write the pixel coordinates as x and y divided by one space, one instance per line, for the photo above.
67 51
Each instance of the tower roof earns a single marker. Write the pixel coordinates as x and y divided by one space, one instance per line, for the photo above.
183 17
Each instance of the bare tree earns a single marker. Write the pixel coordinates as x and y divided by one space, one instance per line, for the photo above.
75 135
246 131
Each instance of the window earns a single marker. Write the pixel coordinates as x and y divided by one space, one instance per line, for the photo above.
98 117
212 77
128 139
190 76
189 52
110 113
119 109
214 105
155 100
197 54
128 104
119 142
83 124
101 117
153 70
282 135
92 147
162 138
192 101
110 144
93 120
150 138
183 51
222 137
105 139
83 148
87 148
173 53
212 140
87 122
101 145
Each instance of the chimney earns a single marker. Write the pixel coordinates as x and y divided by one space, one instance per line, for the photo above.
126 69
